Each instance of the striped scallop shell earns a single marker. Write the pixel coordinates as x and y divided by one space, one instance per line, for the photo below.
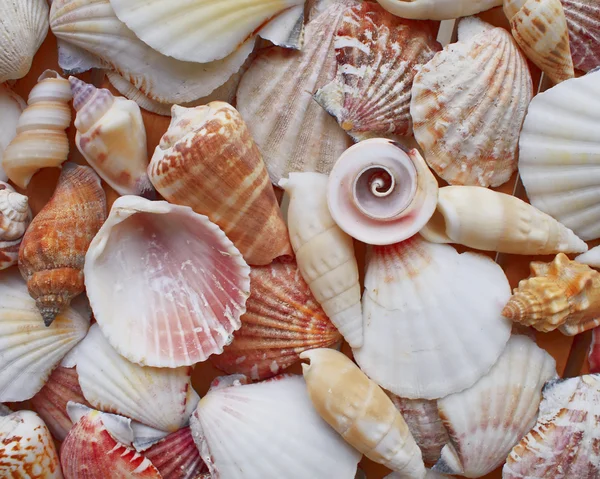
583 21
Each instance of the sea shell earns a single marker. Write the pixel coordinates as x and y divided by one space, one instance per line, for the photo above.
583 21
26 448
268 429
437 9
591 257
540 29
325 254
15 217
282 320
210 145
563 443
30 350
594 353
180 295
378 56
41 141
93 26
488 419
11 107
291 130
562 294
360 411
491 221
53 249
468 105
559 154
406 287
430 475
380 193
112 138
199 31
24 26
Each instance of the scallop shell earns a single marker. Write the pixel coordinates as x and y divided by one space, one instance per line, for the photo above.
112 138
93 26
468 105
268 429
325 254
360 411
291 130
378 56
282 320
53 249
561 294
491 221
24 26
583 21
437 9
211 145
30 350
181 295
11 107
199 31
41 141
563 442
26 448
380 193
540 29
559 154
487 420
406 287
15 217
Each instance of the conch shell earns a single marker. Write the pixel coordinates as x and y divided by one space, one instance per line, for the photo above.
437 9
487 220
360 411
380 194
561 294
112 138
11 107
53 249
41 140
211 146
325 254
540 29
15 217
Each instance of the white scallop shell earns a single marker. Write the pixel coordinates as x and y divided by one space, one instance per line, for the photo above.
437 9
421 298
11 106
559 154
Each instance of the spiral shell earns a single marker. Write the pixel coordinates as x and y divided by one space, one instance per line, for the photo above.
11 107
15 217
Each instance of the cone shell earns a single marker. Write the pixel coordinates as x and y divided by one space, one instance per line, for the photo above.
540 29
559 154
360 411
561 294
11 106
282 320
468 105
181 295
487 220
53 249
437 9
406 284
325 254
583 21
15 217
563 442
30 350
275 97
237 424
41 141
26 448
211 145
591 257
488 419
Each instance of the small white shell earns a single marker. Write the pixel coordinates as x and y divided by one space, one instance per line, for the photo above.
437 9
591 257
15 217
11 107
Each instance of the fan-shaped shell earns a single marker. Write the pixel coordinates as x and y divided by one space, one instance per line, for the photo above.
282 320
486 421
437 9
583 21
15 217
268 429
559 154
468 105
181 295
11 107
406 287
377 56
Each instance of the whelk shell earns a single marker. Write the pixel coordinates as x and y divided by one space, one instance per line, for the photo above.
583 21
437 9
11 107
15 217
468 104
282 320
180 295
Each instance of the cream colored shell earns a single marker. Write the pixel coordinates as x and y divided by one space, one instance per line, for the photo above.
437 9
11 106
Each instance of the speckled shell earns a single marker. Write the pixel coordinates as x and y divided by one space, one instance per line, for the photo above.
11 107
53 249
211 146
468 105
282 320
563 443
583 21
437 9
377 56
15 217
562 294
